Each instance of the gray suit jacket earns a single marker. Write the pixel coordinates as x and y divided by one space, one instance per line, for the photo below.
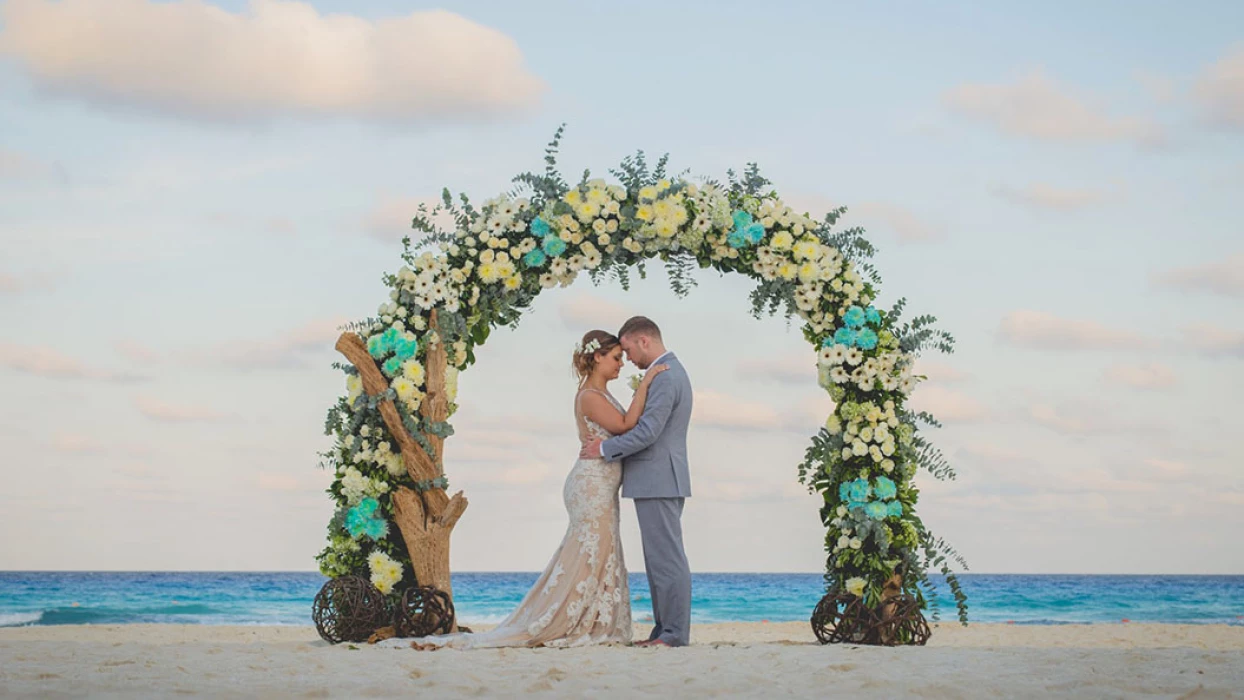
654 452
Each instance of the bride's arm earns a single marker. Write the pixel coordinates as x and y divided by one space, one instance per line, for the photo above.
597 408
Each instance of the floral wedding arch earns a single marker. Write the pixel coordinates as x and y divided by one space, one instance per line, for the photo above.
391 426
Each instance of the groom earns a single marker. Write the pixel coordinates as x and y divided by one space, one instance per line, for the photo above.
655 475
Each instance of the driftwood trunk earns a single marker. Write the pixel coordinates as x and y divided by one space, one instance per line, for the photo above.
426 520
892 589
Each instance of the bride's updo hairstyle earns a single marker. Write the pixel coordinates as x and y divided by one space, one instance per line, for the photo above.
593 345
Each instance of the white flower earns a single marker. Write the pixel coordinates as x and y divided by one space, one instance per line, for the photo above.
855 585
826 356
854 356
856 543
844 542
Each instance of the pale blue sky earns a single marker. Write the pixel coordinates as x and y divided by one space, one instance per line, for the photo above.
1057 182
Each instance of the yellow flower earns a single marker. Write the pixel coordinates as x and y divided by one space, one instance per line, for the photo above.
666 228
782 240
451 383
808 272
663 185
662 208
788 271
413 371
644 213
596 197
805 250
587 211
573 197
514 282
648 193
354 385
403 387
488 273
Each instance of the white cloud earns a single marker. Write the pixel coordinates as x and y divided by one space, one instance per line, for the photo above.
275 481
1214 341
1150 376
1083 418
907 227
157 409
940 372
947 405
1047 197
1162 88
47 362
786 369
280 225
281 350
1220 90
584 312
79 444
74 443
389 219
1045 331
276 57
17 166
137 353
712 409
1224 276
1038 107
9 284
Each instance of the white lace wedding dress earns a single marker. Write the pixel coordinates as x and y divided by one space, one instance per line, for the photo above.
583 597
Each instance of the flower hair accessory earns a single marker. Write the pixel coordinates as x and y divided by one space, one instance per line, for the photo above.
586 349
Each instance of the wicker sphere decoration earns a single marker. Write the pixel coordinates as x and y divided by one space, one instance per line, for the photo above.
842 618
349 609
424 611
906 623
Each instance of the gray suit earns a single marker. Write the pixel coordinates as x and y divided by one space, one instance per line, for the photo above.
655 474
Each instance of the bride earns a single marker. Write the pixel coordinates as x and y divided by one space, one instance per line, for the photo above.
583 596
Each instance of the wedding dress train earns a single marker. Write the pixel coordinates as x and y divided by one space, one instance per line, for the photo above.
583 596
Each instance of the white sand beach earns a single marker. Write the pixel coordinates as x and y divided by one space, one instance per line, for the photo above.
736 659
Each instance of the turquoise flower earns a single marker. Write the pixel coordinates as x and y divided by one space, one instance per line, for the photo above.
855 493
876 510
866 339
540 227
380 345
535 257
854 317
376 346
845 336
885 488
553 246
362 520
895 509
873 315
406 347
392 366
745 231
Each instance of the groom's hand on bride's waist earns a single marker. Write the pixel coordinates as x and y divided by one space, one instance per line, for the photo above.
592 450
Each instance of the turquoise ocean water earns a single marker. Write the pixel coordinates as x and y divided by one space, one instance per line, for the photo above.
63 598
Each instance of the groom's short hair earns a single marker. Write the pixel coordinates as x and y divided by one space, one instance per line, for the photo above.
640 325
